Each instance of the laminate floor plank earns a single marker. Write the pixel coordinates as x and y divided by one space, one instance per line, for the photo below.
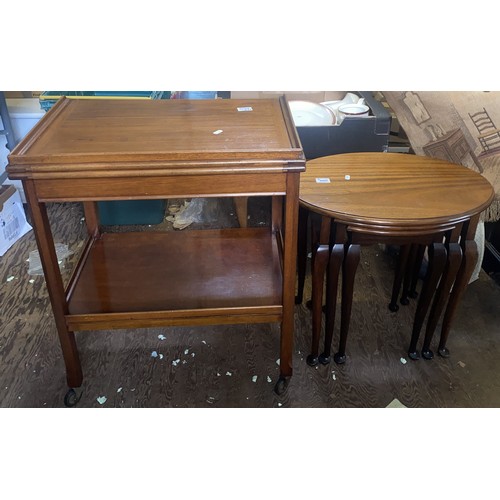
236 365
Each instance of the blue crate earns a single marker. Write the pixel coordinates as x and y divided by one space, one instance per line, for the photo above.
131 212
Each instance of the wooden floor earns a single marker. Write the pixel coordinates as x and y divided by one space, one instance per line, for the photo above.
236 366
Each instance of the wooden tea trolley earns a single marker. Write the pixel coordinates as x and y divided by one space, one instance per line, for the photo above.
88 151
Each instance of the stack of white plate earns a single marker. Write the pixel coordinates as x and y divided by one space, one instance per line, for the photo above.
311 114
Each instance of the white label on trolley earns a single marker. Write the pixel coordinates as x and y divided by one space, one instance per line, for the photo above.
323 180
245 108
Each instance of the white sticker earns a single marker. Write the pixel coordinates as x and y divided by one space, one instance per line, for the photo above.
323 180
245 108
217 132
347 177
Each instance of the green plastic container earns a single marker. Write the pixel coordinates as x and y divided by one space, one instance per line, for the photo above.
131 212
50 97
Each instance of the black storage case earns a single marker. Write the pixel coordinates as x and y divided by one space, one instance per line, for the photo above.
353 135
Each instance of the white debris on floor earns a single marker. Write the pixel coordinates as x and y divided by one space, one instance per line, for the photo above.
254 378
10 278
161 337
35 264
403 361
102 399
154 354
269 379
176 362
119 389
229 374
461 364
161 356
395 403
334 377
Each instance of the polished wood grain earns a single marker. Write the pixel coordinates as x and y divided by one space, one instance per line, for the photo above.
208 269
88 151
396 200
83 131
384 190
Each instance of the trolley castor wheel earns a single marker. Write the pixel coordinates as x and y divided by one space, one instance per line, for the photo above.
404 301
443 352
427 354
339 358
312 360
393 307
324 359
71 398
413 355
281 385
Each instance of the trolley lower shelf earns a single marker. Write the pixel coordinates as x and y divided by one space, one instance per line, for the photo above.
195 277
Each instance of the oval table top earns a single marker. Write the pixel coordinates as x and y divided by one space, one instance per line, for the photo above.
393 189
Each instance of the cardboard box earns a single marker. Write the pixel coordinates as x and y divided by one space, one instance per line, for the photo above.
305 95
16 94
13 224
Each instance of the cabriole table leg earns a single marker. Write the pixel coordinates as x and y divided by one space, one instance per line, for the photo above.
350 266
437 261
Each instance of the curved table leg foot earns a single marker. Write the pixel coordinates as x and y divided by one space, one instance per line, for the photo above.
414 355
340 359
393 307
324 358
444 352
427 354
312 360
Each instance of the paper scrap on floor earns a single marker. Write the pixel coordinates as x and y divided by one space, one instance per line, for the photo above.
35 264
395 403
